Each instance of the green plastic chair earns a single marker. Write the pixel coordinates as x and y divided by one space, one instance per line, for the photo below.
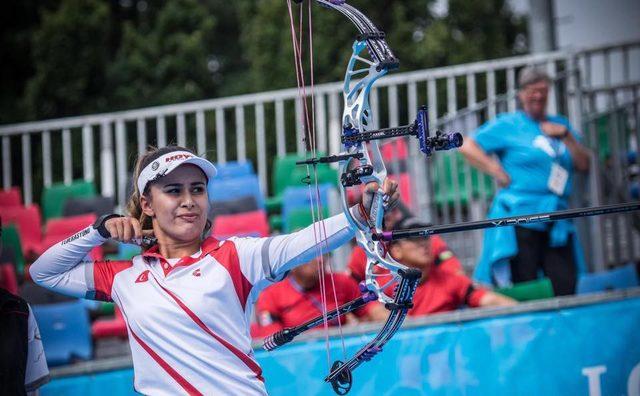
527 291
445 181
301 218
106 309
286 173
54 197
10 237
603 133
275 222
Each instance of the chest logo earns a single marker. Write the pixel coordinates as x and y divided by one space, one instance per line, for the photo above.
544 144
143 277
197 272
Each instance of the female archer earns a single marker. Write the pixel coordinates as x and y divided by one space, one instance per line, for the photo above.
187 300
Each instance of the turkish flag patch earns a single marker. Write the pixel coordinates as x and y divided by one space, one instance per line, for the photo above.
197 272
143 277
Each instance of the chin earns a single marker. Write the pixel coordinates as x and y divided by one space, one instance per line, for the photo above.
187 235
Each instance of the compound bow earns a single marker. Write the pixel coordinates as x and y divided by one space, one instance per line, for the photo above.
361 162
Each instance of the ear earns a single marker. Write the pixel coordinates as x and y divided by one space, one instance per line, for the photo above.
145 204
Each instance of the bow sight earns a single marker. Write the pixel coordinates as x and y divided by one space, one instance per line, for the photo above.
351 137
419 128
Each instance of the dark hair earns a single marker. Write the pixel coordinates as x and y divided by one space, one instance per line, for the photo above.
408 223
144 159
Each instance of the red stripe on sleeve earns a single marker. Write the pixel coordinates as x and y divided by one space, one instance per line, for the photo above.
227 255
103 274
190 389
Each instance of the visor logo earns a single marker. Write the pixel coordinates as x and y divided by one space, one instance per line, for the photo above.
155 166
178 157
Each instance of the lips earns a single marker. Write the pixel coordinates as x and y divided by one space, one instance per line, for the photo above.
190 217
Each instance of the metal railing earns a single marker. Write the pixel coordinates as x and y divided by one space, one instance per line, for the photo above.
261 126
222 127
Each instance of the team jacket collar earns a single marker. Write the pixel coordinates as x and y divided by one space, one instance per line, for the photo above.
208 246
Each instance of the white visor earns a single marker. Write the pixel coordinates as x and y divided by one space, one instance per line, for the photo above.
170 161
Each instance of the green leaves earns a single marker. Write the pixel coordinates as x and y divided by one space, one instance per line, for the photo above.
90 56
166 62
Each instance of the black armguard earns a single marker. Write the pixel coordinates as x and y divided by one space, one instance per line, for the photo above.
99 224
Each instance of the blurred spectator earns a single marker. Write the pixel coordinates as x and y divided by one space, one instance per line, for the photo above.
443 258
298 298
536 157
23 366
440 289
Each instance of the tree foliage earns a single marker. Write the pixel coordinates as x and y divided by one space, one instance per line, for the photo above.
74 57
164 59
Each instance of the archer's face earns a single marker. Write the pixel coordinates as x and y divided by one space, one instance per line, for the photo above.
534 99
414 253
179 204
307 275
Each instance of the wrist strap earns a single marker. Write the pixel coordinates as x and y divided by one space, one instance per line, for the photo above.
99 224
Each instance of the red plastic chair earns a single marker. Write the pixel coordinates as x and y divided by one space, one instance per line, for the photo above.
28 221
10 197
59 229
394 150
242 224
397 152
9 280
115 327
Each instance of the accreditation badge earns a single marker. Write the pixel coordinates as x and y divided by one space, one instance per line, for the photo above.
558 178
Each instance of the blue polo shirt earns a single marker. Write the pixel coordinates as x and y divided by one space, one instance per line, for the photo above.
527 155
525 152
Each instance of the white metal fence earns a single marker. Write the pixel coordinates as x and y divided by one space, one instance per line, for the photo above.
261 126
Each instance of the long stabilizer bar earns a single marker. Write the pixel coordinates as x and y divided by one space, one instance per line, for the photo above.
507 221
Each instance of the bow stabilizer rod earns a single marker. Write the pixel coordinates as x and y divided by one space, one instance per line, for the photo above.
287 335
507 221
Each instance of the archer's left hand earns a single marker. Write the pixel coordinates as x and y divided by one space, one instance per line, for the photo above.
390 198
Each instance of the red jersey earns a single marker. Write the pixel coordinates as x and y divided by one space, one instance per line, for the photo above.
286 304
444 291
444 259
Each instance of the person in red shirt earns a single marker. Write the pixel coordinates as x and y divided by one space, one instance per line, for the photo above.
298 298
440 288
443 255
443 258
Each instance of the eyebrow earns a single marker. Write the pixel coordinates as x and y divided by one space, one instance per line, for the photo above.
181 184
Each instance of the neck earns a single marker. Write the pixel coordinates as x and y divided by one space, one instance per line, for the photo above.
537 117
170 248
425 274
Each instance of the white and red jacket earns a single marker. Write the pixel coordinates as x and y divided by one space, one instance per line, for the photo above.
188 321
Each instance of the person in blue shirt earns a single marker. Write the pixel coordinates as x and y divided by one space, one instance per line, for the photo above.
532 156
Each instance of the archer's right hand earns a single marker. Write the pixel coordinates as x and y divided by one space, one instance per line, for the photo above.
126 229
